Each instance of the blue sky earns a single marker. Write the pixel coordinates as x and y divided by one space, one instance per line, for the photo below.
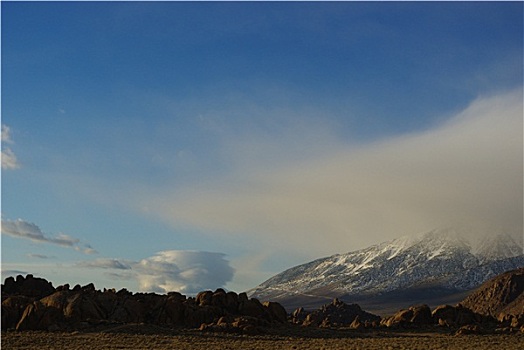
166 145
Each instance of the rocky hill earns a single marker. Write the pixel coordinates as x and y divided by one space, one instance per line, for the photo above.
499 297
441 266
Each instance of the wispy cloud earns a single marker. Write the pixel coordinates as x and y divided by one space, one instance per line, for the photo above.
105 263
6 134
23 229
120 276
39 256
86 249
171 270
9 160
466 170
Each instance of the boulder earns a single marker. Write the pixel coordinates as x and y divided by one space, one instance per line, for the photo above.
517 321
276 311
219 298
204 298
469 329
78 306
58 300
421 315
28 286
466 317
12 310
252 308
195 316
242 297
458 316
415 316
128 310
83 307
337 313
37 316
299 315
400 319
174 312
445 315
232 302
356 324
239 325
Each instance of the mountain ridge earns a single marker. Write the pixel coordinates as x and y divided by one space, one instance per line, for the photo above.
443 259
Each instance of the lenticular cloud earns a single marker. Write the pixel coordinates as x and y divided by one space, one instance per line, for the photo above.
183 271
23 229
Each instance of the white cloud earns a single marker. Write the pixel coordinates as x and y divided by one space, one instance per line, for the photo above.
183 271
467 170
86 249
9 160
23 229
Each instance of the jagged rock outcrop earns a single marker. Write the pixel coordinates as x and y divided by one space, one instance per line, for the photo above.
451 317
459 316
80 307
29 286
414 316
336 314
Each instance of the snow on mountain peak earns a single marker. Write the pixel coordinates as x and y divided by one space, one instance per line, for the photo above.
450 257
498 246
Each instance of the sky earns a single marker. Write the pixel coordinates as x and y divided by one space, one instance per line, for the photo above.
189 146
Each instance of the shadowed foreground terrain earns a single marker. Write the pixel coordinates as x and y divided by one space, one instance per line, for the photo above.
144 337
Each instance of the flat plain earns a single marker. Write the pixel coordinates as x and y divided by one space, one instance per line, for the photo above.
144 337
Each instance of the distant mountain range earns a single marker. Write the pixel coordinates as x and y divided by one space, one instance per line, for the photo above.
441 266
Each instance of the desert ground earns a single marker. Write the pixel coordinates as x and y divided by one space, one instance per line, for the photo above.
147 337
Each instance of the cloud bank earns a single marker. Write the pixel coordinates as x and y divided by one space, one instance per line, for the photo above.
172 270
467 170
23 229
9 160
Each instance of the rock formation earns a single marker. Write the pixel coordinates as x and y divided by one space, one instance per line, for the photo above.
335 314
28 286
500 296
34 304
47 308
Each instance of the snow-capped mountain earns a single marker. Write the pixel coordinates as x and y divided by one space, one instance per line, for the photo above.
444 259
